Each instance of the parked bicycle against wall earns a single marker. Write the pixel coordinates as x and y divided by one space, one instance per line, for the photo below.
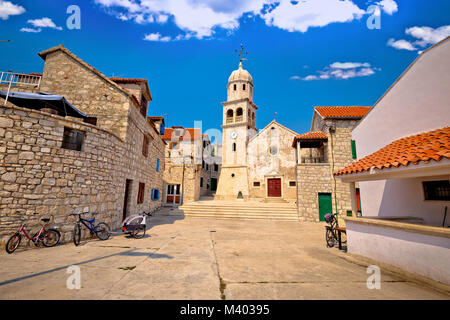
49 237
101 230
332 233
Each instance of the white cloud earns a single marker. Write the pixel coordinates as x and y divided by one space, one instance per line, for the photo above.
295 78
8 9
428 35
31 30
156 37
348 65
401 44
199 18
341 71
44 23
388 6
301 15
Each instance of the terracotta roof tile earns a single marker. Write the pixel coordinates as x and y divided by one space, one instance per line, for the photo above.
338 112
312 135
433 145
187 134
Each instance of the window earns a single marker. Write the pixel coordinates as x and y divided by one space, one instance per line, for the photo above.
90 120
141 193
353 149
72 139
239 112
143 109
201 182
207 166
155 194
145 146
292 183
256 184
157 165
230 113
235 87
203 164
273 150
243 87
216 167
437 190
234 146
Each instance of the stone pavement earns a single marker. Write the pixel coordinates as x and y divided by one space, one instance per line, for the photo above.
195 258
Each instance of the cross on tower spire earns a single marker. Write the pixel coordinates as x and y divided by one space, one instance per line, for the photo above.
242 53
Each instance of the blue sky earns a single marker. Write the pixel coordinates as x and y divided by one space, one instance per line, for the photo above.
300 53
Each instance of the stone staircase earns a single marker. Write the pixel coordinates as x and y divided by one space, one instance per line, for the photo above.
247 210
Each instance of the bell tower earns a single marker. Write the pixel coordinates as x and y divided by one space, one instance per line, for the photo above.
239 125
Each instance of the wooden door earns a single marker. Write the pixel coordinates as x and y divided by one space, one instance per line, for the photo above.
125 201
274 187
325 205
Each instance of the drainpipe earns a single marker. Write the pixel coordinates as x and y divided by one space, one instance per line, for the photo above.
332 129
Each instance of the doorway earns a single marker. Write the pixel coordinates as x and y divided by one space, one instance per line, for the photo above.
274 187
213 184
173 196
325 205
126 198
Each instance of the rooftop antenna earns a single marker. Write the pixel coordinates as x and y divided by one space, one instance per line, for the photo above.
116 76
242 53
275 116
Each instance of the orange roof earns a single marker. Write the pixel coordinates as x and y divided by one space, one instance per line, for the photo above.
433 145
187 134
351 112
312 135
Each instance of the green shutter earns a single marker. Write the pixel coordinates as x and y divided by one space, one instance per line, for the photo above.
353 149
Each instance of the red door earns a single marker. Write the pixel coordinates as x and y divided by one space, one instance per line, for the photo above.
274 187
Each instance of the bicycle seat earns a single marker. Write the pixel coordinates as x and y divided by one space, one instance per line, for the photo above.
45 220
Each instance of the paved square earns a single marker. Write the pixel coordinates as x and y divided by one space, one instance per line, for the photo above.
196 258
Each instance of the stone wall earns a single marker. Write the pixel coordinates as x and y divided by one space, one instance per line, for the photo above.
39 179
87 91
312 179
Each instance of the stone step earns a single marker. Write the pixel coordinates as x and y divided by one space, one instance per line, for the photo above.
237 209
241 217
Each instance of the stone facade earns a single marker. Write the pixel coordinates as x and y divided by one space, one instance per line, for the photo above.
187 167
270 155
38 176
315 178
251 159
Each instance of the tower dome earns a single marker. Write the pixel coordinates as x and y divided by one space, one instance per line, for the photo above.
240 75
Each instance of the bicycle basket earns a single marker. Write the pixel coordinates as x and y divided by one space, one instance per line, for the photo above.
329 217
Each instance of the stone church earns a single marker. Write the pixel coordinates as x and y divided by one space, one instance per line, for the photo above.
255 165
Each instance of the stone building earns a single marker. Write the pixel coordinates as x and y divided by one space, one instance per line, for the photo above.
116 168
320 152
191 169
254 165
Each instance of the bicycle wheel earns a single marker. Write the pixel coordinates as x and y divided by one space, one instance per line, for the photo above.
102 231
77 234
51 238
330 238
138 233
13 243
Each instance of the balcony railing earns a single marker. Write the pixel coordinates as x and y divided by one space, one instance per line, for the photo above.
230 120
239 118
15 79
319 159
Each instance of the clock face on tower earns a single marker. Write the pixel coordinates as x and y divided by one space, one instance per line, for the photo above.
234 134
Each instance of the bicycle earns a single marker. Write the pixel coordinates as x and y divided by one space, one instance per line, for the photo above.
48 237
101 230
331 235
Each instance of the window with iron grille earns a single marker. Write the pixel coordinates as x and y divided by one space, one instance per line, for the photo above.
144 104
292 183
145 146
72 139
141 193
437 190
256 184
